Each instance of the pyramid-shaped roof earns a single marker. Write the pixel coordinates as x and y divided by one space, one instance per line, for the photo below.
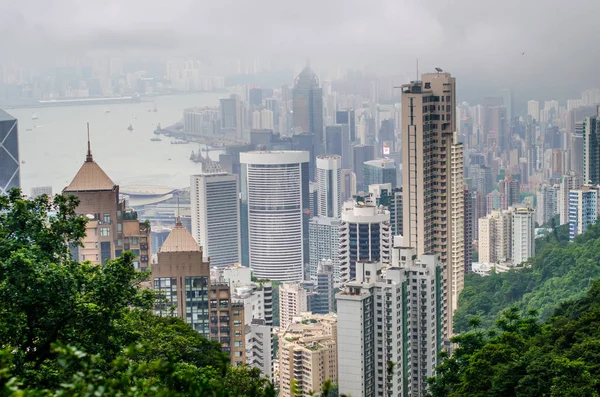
179 240
90 176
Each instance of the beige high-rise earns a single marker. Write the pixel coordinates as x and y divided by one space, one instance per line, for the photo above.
308 354
432 180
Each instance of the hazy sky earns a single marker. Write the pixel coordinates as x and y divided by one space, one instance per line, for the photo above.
480 41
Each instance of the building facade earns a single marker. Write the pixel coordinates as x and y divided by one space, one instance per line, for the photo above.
308 354
390 327
293 300
583 209
216 216
112 227
495 237
379 172
274 213
432 179
523 235
329 185
324 244
183 278
10 166
365 235
307 104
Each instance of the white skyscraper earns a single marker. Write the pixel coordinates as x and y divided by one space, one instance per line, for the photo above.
216 216
547 204
523 235
365 235
329 179
391 318
569 182
275 211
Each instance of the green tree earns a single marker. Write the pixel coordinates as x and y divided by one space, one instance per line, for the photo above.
69 328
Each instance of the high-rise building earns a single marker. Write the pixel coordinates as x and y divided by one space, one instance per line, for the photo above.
495 237
183 278
329 180
348 184
10 166
482 178
468 230
322 302
361 154
583 209
347 117
533 109
333 140
523 235
216 216
511 188
260 347
569 182
496 201
293 300
365 235
591 150
112 227
274 213
392 200
547 204
390 326
255 96
308 354
432 179
308 107
324 244
379 171
233 116
39 190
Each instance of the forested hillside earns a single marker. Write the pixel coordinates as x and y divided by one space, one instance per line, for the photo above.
559 271
525 358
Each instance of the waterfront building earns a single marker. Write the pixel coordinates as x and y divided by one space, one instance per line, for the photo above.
10 166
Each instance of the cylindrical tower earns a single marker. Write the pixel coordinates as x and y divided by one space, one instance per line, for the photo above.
275 212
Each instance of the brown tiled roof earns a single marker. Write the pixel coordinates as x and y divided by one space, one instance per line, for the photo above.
180 240
90 177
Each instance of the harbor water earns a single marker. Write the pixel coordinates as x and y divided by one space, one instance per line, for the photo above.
53 147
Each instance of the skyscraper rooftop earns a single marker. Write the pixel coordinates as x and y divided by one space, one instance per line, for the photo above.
306 79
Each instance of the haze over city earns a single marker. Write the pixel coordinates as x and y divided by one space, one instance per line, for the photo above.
480 41
292 199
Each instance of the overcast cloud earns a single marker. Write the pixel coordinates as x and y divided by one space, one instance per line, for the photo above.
480 41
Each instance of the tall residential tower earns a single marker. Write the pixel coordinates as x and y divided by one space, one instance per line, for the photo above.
432 180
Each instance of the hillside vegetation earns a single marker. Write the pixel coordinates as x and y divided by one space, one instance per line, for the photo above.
560 271
524 357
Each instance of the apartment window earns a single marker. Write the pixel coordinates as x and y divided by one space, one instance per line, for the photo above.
238 333
238 354
119 227
135 241
106 218
104 231
237 343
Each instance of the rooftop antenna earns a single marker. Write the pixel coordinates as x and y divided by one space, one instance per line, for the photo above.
178 221
417 69
89 157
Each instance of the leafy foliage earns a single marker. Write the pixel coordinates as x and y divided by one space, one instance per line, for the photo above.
525 358
560 271
69 328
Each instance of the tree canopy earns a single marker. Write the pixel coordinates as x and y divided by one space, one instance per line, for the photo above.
524 357
70 328
560 271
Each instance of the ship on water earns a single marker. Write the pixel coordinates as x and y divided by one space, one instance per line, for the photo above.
130 128
156 139
179 142
158 129
34 116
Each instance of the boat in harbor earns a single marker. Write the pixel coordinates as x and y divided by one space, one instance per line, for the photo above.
156 139
158 129
155 109
179 142
130 128
34 116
